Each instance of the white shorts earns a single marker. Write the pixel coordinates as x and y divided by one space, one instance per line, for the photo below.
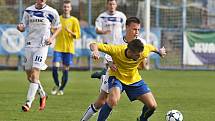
36 57
104 83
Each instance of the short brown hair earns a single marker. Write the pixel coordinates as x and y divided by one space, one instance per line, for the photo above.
67 1
132 20
111 0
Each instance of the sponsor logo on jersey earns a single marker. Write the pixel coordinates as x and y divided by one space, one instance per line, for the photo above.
36 20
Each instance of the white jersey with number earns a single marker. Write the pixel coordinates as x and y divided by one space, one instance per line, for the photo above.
114 22
38 23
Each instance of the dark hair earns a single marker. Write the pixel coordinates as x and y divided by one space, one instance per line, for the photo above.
132 20
111 0
67 1
135 45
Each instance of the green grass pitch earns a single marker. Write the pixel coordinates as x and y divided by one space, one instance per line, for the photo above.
191 92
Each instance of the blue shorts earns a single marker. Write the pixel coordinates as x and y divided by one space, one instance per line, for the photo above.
133 90
65 58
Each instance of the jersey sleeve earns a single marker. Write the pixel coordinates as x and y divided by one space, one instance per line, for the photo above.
56 21
123 22
107 48
25 19
98 23
151 47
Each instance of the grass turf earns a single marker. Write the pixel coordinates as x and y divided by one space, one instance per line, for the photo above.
191 92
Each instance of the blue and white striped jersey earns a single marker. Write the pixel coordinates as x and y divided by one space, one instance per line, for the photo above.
115 23
39 23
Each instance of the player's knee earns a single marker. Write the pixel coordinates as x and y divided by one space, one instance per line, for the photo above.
153 106
29 78
66 68
102 102
56 64
113 102
99 104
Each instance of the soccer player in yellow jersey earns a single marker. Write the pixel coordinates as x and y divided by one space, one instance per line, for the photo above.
126 77
132 31
64 47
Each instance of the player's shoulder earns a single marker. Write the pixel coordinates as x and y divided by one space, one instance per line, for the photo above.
73 18
142 40
50 9
32 7
120 12
104 13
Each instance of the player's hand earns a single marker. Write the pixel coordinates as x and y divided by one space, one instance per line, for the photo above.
107 32
48 41
112 66
21 27
95 55
67 29
162 51
70 32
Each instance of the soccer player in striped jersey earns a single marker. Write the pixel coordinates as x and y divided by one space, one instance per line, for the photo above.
64 49
38 18
126 76
132 32
110 25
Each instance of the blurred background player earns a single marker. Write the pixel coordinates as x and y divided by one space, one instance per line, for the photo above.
38 19
126 77
110 25
64 47
132 32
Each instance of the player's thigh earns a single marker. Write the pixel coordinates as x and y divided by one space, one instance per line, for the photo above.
114 96
28 60
115 89
102 98
39 58
57 58
67 59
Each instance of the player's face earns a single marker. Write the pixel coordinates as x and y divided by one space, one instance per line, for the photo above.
67 8
40 3
133 30
133 55
111 6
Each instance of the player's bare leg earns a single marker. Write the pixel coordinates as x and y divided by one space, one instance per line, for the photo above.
33 77
150 106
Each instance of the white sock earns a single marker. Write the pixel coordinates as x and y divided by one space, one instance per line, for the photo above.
89 113
41 90
32 90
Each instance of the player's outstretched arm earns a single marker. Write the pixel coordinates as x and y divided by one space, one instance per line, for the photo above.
95 51
161 52
55 33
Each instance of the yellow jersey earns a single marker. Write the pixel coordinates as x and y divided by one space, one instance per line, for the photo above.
127 71
64 40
